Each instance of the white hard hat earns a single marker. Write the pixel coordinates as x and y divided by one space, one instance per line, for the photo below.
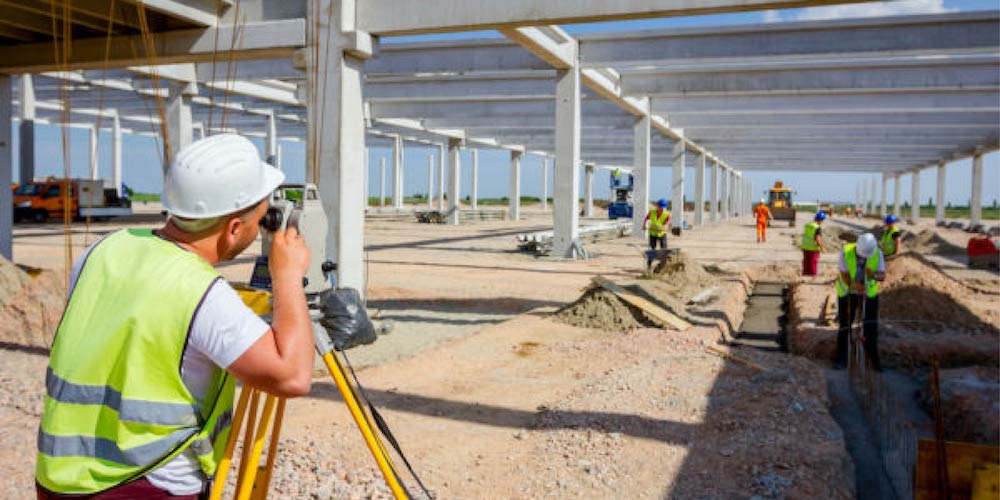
867 245
762 201
217 175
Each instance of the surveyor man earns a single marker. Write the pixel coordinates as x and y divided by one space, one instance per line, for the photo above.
891 243
656 223
141 377
812 244
762 214
860 267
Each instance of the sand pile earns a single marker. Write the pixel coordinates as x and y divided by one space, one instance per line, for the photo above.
681 276
32 315
916 296
601 309
12 279
970 398
928 241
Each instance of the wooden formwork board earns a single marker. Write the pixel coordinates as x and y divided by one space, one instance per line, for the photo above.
963 460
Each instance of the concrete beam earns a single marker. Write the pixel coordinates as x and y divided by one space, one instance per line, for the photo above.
256 40
865 102
389 17
979 119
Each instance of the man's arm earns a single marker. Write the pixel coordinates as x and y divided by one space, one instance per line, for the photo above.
281 361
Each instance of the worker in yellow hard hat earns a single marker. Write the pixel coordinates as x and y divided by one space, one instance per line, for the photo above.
142 372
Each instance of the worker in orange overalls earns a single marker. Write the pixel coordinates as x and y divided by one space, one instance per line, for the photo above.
763 214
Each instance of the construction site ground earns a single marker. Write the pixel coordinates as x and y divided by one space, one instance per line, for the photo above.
493 398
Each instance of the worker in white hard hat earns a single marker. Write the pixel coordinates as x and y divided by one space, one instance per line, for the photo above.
861 266
142 372
763 215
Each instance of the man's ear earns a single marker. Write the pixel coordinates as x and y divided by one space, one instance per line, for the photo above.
234 225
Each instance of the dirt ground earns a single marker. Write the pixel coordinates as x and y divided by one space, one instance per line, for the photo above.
492 398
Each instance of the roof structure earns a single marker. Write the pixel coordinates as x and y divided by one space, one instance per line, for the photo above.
877 95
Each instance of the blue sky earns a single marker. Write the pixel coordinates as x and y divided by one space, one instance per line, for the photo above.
142 165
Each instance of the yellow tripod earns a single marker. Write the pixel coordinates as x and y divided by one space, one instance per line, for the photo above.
253 480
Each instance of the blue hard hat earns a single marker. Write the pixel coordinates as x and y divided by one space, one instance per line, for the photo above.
662 203
891 219
820 216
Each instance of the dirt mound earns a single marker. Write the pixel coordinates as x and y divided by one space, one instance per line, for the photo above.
31 317
917 296
928 241
601 309
12 279
970 398
682 276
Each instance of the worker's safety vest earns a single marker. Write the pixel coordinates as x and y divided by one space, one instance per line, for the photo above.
115 404
809 237
888 243
658 223
851 259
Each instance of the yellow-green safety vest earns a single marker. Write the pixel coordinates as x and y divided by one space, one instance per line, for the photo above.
851 259
657 223
115 404
888 243
809 237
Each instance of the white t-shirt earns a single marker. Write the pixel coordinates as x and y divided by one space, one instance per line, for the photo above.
859 272
223 329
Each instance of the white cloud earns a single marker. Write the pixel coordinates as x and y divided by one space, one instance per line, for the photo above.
872 9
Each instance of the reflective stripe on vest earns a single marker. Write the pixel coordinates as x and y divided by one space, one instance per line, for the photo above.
657 223
851 259
809 237
888 244
116 406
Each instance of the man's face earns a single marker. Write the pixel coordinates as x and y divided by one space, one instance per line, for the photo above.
241 231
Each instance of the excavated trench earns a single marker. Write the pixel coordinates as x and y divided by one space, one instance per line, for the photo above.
763 323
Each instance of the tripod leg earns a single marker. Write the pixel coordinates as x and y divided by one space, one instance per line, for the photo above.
263 483
222 472
248 438
250 468
361 419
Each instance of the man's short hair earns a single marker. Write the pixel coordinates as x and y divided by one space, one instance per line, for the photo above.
195 226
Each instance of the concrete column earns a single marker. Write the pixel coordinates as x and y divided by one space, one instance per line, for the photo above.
92 147
588 191
873 200
116 154
271 142
366 170
677 194
440 191
474 195
976 202
179 127
199 131
337 98
883 208
939 196
724 193
733 201
454 180
566 193
514 191
26 131
430 182
699 191
381 182
713 193
545 185
915 196
640 173
897 200
6 166
397 172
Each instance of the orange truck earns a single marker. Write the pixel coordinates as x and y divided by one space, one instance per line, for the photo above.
39 200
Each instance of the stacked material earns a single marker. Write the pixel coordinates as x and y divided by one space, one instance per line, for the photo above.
541 242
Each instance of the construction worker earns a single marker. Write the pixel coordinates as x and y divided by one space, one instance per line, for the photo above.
656 223
891 243
142 372
861 266
762 214
812 244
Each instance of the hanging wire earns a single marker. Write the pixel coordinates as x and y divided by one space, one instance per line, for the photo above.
215 57
231 60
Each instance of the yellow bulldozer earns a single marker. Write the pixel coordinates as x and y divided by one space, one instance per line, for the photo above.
779 201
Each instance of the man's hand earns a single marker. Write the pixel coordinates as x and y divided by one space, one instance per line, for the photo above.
858 287
289 257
